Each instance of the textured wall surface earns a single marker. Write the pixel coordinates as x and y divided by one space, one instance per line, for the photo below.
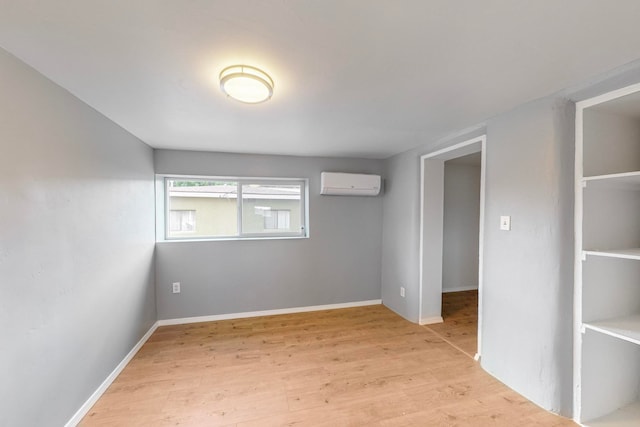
528 272
76 248
338 263
461 227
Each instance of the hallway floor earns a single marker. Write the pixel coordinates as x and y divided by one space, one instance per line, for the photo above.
460 327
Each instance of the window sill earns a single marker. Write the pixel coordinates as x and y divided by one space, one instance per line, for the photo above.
226 239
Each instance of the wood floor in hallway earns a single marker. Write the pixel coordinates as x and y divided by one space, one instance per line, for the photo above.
460 326
361 366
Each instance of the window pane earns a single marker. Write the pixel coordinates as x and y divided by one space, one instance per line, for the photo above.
208 207
274 208
182 220
212 203
284 219
277 219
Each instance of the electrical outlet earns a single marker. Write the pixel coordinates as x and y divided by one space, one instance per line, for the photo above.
402 291
176 287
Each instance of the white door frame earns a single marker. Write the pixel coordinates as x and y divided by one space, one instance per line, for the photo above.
440 156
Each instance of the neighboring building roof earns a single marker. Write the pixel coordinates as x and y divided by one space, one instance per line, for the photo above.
230 192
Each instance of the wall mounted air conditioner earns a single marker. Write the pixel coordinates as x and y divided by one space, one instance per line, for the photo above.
349 184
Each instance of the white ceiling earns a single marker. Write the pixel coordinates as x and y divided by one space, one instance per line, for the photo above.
365 78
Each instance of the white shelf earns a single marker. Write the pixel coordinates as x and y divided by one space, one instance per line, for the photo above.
625 328
627 180
631 253
625 417
607 351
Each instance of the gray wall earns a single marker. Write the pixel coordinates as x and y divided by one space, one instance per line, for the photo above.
528 271
401 227
461 227
528 277
76 248
339 263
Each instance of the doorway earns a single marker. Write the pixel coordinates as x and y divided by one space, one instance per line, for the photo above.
451 248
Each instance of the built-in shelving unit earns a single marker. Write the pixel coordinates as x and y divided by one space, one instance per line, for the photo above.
607 262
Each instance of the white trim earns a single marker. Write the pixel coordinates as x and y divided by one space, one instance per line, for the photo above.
609 96
483 192
231 316
579 256
460 288
431 320
86 406
454 147
226 239
483 162
421 248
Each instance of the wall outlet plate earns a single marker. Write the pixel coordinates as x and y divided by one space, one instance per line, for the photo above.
402 291
176 287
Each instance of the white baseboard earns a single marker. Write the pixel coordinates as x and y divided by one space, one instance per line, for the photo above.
248 314
460 288
431 320
86 406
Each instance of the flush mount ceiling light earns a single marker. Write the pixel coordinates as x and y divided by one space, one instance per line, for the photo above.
246 84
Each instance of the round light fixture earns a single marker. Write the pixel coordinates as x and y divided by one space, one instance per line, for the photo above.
246 84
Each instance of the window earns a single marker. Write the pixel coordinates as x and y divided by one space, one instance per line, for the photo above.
277 219
182 220
234 208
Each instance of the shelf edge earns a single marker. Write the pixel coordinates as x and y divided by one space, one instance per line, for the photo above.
605 331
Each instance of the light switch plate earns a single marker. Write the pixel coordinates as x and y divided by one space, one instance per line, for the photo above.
505 223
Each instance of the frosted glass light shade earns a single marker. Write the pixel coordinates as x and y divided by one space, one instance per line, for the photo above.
246 84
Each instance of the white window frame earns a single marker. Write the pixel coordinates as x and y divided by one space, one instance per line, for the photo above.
163 208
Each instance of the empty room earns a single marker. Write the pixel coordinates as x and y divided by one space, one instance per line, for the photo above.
319 213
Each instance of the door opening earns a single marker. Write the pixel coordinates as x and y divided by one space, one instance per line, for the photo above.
451 241
460 250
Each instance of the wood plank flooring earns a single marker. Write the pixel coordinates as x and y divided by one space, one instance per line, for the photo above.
460 327
351 367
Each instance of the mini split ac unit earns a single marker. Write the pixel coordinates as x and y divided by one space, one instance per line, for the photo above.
349 184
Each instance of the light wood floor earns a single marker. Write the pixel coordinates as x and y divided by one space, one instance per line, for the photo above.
351 367
460 327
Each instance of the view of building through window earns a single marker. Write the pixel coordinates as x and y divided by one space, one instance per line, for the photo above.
182 220
271 208
201 208
277 220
